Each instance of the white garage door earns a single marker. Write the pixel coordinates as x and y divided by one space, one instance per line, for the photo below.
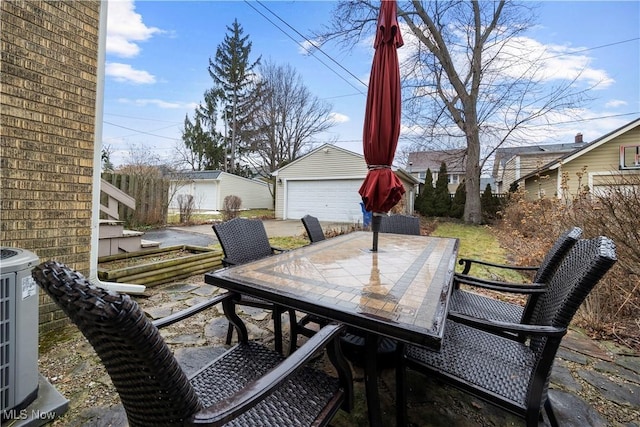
328 200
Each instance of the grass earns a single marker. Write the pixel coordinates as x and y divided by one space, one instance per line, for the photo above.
478 242
204 218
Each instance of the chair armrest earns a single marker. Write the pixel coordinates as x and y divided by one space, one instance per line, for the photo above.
499 328
188 312
467 265
518 288
239 403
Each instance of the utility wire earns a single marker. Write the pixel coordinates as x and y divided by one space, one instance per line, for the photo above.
143 132
305 48
313 44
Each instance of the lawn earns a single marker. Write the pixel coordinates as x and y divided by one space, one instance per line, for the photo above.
203 218
479 242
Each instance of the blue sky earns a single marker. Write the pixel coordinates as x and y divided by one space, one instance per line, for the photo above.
158 53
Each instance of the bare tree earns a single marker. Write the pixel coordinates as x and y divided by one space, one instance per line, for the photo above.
286 118
468 80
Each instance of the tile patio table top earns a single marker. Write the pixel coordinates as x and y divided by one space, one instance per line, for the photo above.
401 291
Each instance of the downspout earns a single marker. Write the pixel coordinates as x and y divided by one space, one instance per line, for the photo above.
97 159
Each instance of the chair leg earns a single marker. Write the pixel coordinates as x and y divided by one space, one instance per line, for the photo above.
549 410
229 334
277 328
293 331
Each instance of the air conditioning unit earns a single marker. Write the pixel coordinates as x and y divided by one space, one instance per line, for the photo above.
18 330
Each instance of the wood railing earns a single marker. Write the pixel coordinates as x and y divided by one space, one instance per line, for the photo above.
114 197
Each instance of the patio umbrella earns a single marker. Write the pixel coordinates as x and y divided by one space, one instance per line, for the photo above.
382 189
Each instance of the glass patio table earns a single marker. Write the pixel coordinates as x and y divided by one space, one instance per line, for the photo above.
401 291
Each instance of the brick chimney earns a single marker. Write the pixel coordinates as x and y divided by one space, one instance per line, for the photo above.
578 138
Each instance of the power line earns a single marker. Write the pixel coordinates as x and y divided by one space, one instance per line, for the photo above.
143 132
305 48
589 49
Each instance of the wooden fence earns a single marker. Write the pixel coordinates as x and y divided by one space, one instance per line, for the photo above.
151 195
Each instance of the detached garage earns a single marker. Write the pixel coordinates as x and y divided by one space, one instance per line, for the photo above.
325 183
209 188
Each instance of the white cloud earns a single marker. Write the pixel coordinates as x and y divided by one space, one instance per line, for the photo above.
124 28
339 118
308 47
615 103
158 103
126 73
526 56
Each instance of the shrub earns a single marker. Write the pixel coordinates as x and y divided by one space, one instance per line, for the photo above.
458 202
424 201
185 205
530 227
441 196
231 207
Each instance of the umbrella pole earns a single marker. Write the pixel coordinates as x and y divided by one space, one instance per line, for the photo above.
375 227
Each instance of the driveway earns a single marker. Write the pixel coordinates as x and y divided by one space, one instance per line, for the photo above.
203 235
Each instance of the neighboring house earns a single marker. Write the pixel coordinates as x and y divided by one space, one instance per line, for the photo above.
455 160
512 163
325 183
209 189
596 165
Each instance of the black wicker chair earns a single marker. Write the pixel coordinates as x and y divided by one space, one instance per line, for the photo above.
313 228
400 224
244 240
247 385
481 357
476 305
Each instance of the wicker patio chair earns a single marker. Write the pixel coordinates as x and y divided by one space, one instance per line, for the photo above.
244 240
481 357
476 305
313 228
247 385
400 224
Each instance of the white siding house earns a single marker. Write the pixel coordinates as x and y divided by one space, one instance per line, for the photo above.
209 188
325 182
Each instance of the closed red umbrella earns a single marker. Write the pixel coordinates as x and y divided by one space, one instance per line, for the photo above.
381 189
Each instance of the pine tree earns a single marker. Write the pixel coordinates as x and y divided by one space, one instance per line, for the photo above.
457 205
490 204
233 76
441 196
424 201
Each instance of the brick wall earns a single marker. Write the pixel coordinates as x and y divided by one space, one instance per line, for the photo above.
48 75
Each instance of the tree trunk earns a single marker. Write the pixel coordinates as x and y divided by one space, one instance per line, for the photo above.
472 207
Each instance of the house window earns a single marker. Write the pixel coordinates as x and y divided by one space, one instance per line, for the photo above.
630 157
454 179
422 175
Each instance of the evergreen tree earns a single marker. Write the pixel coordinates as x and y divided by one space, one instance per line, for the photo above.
441 196
457 205
204 144
424 201
490 204
233 76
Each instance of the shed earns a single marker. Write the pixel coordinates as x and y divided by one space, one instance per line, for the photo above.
209 189
325 182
